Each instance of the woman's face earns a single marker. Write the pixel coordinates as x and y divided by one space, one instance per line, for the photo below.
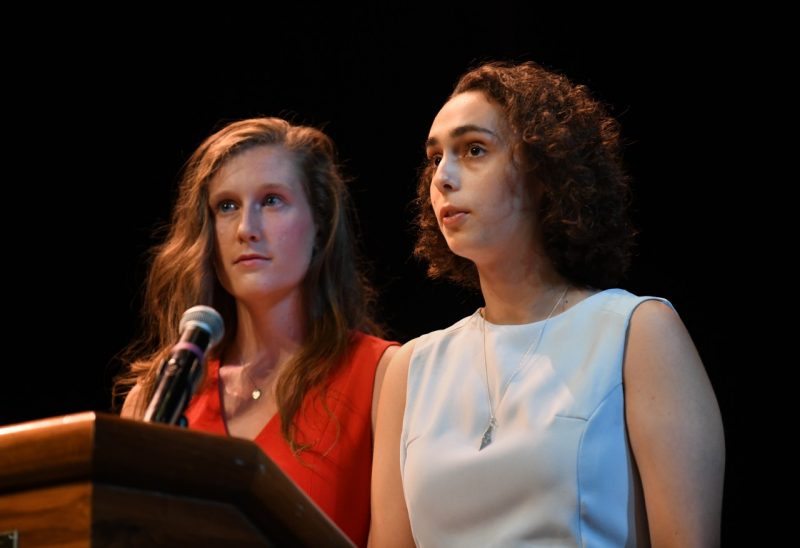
263 223
477 193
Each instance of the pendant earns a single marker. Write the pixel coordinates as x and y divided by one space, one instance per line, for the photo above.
487 435
256 394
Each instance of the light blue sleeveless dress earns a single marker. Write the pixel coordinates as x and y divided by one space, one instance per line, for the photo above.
559 471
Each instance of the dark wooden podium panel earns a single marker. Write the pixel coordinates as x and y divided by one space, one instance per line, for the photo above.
92 479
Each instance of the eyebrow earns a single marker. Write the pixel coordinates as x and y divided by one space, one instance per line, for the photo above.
263 187
459 131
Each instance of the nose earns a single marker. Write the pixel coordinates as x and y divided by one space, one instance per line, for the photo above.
249 229
446 177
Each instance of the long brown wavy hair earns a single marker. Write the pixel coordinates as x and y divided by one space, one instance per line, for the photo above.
570 146
336 295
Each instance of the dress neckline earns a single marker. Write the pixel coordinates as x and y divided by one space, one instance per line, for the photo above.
479 314
217 364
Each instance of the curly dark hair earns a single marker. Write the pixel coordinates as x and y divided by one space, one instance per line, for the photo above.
570 146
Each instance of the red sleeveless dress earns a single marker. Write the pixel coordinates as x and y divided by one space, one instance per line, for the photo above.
335 471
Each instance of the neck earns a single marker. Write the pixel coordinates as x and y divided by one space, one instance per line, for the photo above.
266 337
522 295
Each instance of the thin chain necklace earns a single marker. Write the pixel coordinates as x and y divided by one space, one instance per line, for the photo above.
532 348
256 392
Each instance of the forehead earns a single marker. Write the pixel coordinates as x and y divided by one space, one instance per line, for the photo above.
260 164
470 108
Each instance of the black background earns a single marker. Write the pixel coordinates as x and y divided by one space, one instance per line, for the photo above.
101 117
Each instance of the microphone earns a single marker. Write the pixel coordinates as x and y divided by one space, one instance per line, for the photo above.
201 328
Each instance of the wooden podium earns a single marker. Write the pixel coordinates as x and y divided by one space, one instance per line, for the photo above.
92 479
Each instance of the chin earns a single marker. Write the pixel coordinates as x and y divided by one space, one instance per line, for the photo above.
268 289
252 291
459 247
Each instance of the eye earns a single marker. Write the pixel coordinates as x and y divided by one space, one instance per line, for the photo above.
272 200
474 150
435 160
225 206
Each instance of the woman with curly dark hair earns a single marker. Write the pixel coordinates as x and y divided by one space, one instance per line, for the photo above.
564 411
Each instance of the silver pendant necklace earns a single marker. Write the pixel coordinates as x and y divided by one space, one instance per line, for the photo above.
488 434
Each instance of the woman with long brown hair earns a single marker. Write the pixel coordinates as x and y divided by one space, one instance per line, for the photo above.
262 232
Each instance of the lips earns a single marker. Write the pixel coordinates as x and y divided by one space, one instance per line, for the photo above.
250 257
450 214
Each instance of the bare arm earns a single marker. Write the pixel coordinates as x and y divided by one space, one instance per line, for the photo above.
390 525
380 373
675 430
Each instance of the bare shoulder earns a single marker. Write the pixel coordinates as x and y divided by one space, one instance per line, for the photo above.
383 363
380 375
387 356
658 338
654 317
401 358
661 361
397 374
132 404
